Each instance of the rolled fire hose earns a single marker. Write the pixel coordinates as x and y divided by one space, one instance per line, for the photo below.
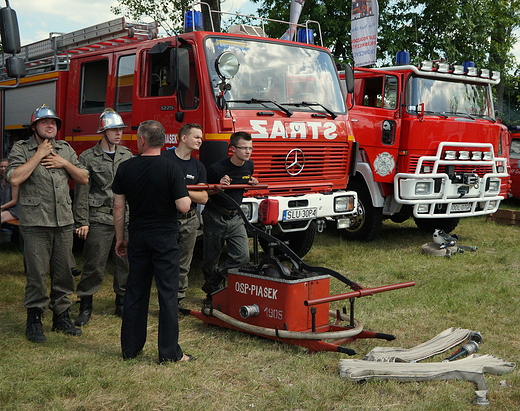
301 335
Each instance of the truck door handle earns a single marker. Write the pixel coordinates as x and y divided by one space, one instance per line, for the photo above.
354 120
77 130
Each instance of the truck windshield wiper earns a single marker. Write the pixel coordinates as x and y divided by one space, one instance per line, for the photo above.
288 112
438 113
485 117
458 113
312 103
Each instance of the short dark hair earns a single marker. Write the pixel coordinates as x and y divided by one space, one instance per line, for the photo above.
239 135
153 132
186 128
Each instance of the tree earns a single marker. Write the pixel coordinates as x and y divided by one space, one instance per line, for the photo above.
333 16
478 30
168 13
456 31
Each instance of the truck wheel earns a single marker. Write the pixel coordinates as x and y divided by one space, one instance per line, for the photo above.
430 224
367 224
300 241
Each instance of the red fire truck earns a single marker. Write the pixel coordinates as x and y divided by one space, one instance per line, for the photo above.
286 94
430 146
514 160
361 8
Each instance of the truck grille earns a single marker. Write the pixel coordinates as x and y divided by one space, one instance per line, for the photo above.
321 163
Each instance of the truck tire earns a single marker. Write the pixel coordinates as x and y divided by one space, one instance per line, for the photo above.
300 241
430 224
367 225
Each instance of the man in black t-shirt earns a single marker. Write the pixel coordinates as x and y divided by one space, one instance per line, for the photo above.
189 140
154 188
222 223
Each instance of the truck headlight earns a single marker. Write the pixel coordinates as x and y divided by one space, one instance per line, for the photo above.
343 204
423 188
450 155
247 208
463 155
491 205
476 155
494 186
423 208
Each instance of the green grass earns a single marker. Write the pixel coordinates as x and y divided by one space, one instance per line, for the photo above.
238 371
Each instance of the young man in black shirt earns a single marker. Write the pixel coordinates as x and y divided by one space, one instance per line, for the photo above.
189 140
222 223
154 188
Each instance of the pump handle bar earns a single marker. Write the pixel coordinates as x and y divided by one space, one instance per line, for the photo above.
223 187
359 293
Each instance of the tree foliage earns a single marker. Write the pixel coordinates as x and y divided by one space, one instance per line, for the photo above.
455 31
168 13
459 30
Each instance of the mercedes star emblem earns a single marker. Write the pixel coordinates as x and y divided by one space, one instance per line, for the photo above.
294 162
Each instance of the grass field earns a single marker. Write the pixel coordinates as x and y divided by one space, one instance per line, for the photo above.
238 371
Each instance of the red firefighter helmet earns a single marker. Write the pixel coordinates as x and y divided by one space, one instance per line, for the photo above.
110 119
44 111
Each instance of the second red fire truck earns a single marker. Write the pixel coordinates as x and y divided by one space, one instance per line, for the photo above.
431 146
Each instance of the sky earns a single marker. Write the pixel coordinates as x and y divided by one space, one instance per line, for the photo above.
37 18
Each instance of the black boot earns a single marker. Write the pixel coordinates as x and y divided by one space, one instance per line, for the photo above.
63 323
119 305
214 282
34 329
85 310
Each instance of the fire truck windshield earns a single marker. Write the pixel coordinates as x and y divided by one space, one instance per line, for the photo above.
272 75
449 98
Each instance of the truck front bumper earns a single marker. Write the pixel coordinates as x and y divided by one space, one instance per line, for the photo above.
295 213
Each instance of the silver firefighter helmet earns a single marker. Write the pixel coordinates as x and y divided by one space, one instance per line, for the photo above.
44 111
110 119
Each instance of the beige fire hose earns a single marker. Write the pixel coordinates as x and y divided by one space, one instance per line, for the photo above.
301 335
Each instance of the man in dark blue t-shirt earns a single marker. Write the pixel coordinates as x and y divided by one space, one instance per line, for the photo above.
222 223
189 139
154 188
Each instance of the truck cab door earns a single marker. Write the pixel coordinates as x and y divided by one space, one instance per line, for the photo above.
163 95
86 100
376 122
96 83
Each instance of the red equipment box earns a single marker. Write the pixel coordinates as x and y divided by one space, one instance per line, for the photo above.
274 302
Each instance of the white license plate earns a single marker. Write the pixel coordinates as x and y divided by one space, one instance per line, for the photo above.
300 214
461 207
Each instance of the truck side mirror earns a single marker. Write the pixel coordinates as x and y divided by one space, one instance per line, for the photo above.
349 78
9 31
15 67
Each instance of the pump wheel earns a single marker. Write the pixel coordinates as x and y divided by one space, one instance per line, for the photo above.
430 224
369 220
300 241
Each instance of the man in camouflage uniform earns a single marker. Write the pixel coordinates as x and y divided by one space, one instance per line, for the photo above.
93 213
41 167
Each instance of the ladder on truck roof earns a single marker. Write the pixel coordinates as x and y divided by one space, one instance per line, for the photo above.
53 53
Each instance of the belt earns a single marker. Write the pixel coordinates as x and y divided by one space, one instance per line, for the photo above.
189 214
106 210
224 211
